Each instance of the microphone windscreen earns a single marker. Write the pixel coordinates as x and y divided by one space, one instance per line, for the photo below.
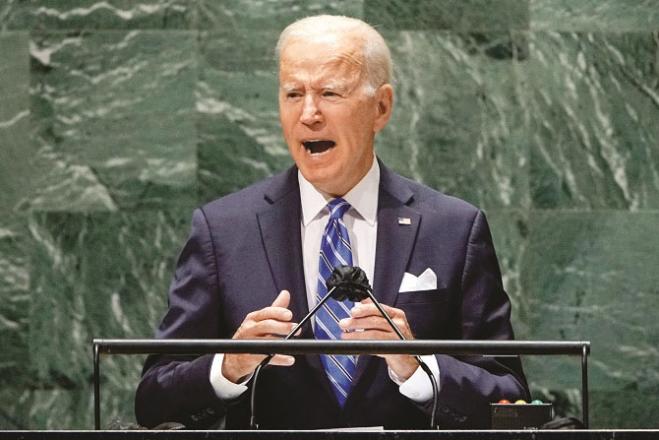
350 282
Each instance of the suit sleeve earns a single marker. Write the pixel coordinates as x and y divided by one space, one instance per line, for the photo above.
469 383
178 389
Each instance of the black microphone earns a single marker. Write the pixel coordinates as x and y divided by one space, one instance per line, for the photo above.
348 282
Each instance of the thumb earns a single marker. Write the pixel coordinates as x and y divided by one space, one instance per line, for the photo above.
282 300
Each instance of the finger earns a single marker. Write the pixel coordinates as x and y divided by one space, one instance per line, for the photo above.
282 300
282 360
369 334
376 323
266 328
367 323
363 309
271 312
278 309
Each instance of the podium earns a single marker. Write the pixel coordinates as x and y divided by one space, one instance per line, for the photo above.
196 346
310 346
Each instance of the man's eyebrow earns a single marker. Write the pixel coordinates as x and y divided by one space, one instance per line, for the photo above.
344 87
330 84
333 85
289 87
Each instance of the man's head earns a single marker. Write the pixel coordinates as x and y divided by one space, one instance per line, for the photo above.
334 96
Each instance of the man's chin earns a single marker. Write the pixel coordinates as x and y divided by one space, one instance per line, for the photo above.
323 180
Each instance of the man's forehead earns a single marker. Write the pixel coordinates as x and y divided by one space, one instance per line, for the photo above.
331 51
335 67
336 64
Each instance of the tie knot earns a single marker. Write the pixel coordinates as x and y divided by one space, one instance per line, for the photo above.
337 207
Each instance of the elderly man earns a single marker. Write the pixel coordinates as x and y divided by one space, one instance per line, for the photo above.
256 261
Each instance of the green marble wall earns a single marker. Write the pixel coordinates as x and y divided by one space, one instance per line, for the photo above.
118 117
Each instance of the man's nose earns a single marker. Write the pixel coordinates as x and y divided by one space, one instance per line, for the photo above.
310 112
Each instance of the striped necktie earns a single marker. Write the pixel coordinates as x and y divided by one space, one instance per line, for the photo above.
334 251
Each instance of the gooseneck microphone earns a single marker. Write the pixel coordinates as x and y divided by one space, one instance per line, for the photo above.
352 283
339 280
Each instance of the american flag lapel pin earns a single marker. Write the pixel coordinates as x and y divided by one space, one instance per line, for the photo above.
404 221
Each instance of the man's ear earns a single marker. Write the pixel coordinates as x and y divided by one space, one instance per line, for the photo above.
384 99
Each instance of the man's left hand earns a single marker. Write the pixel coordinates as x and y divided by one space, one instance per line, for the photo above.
366 322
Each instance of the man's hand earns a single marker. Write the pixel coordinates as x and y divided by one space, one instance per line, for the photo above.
367 323
268 323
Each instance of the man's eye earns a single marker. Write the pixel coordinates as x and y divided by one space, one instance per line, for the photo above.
293 95
330 94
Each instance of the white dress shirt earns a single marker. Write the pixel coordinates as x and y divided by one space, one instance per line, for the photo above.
361 223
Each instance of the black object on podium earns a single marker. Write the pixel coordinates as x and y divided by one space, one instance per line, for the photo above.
520 416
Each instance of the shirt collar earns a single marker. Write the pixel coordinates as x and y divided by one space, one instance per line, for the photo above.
363 197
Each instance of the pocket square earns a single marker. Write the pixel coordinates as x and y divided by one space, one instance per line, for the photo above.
426 281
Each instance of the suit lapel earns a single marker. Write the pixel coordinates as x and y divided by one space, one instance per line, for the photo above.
279 225
398 225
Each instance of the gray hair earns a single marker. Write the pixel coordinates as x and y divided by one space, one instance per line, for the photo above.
375 50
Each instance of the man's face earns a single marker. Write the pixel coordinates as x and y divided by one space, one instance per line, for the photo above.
328 119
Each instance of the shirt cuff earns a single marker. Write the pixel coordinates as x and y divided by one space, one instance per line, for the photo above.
223 387
418 387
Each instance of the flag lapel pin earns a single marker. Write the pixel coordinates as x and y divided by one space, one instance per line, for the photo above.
404 221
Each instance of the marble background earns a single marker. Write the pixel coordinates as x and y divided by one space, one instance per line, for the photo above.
117 117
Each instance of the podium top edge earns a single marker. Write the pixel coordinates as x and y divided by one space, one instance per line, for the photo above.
306 346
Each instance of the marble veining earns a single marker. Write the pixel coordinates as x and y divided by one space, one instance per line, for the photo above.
117 117
593 106
594 15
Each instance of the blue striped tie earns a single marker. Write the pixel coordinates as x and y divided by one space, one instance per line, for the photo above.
334 251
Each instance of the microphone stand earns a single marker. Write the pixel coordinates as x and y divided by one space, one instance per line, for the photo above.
422 364
252 398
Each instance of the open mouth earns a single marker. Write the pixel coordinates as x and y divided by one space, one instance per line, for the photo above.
315 147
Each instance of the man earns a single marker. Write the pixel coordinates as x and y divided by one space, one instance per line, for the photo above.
256 261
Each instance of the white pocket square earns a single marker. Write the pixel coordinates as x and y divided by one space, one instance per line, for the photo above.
426 281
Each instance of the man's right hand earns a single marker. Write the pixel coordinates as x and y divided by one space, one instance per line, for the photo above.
271 322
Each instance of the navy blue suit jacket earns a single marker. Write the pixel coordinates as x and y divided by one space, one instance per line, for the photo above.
246 247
